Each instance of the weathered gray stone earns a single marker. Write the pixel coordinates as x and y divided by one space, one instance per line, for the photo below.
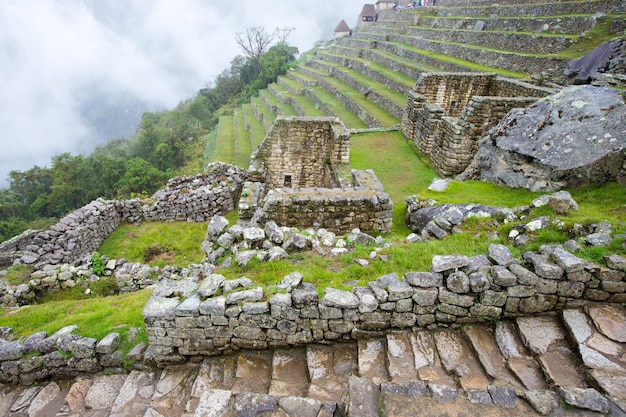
423 279
503 396
300 407
598 239
499 254
562 202
109 343
304 295
217 226
616 262
587 398
338 298
104 391
44 398
479 282
232 284
522 153
189 307
442 263
276 253
543 401
252 295
524 276
83 347
502 276
213 306
213 403
399 290
543 267
458 282
443 394
566 260
362 397
210 285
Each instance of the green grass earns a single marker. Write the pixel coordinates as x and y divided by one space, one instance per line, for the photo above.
350 119
257 131
157 243
592 38
224 148
381 115
18 274
95 317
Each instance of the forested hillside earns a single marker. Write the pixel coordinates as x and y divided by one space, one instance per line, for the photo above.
166 144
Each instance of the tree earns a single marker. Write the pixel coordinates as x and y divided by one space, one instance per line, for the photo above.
254 42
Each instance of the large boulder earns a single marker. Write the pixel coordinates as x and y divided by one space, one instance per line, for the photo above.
569 139
607 58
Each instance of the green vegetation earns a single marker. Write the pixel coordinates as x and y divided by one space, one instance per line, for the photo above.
95 317
166 144
157 243
18 274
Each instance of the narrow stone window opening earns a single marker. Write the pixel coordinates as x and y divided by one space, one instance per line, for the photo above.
287 181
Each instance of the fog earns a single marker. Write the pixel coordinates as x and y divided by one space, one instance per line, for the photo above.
75 74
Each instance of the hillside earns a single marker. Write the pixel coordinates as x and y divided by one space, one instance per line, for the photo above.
495 324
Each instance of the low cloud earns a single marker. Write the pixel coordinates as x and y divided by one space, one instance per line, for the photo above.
53 53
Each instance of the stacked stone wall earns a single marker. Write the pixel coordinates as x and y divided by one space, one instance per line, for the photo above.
456 290
446 114
364 206
82 232
301 149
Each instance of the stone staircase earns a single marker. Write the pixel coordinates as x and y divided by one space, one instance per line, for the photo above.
570 364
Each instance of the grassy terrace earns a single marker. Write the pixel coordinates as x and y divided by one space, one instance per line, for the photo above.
351 120
380 114
394 76
257 131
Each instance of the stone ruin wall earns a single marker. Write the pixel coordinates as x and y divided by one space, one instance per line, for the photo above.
82 232
315 154
447 113
456 290
301 148
341 210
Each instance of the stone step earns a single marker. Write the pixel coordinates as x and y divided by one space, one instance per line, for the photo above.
458 360
546 339
525 366
289 373
253 372
484 343
329 368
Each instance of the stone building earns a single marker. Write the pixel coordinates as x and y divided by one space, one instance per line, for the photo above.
300 176
342 30
447 113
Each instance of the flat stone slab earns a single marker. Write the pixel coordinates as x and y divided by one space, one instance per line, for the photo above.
253 372
561 368
48 395
104 391
300 407
213 403
611 320
400 360
289 373
457 358
613 384
538 333
587 398
423 346
362 398
371 360
488 353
